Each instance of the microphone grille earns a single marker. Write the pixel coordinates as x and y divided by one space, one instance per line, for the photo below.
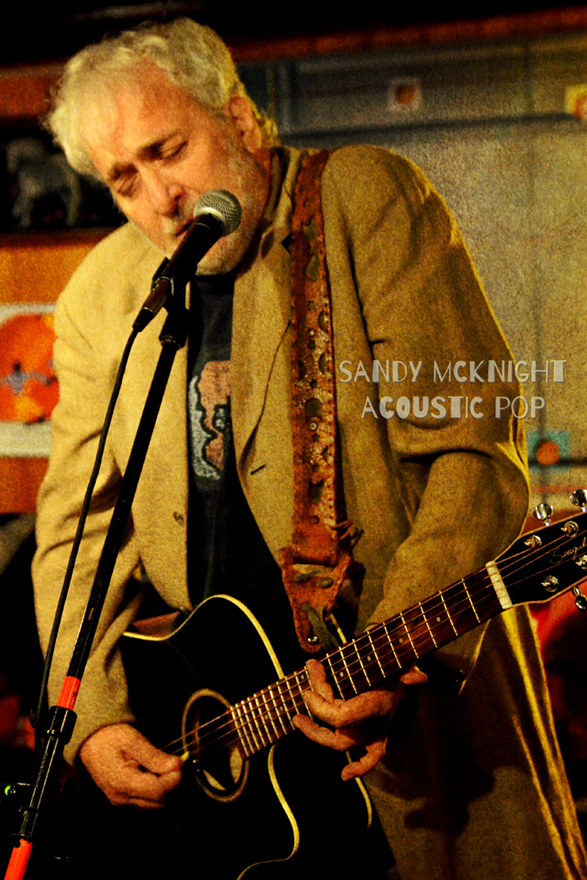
222 205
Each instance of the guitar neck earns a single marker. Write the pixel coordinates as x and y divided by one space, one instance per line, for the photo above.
382 651
535 568
395 645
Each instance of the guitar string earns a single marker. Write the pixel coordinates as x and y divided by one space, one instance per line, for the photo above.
258 713
253 716
251 707
254 712
268 710
292 693
264 710
469 588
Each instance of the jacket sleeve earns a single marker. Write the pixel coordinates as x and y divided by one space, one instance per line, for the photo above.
86 375
463 479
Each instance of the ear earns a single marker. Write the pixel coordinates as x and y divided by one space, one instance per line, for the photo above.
239 110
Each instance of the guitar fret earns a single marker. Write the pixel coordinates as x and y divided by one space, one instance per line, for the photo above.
241 728
428 626
391 645
284 697
274 715
330 674
341 678
252 727
304 709
343 682
274 733
262 715
486 604
349 676
409 636
441 594
278 714
364 671
368 634
271 715
470 600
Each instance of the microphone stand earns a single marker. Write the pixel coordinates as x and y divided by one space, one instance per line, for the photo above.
62 718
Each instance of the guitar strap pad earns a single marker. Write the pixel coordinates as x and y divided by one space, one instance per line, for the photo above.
319 560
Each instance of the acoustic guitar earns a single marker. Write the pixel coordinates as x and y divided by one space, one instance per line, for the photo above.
262 794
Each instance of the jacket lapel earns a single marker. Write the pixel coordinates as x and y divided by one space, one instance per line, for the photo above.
262 304
262 312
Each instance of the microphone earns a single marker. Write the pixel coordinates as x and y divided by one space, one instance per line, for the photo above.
217 213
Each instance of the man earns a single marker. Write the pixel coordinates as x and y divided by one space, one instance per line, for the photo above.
467 785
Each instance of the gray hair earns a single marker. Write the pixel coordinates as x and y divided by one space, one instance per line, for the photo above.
192 55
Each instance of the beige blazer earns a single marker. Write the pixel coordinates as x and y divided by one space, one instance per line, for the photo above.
436 497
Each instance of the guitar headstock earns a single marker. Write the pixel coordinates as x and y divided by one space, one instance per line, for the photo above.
543 564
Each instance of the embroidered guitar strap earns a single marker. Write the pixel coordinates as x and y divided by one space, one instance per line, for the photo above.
319 559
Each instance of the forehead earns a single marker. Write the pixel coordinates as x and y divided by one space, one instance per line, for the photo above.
136 112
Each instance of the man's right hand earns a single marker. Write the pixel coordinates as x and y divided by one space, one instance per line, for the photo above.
128 768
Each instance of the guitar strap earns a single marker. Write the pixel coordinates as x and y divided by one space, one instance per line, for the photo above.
319 560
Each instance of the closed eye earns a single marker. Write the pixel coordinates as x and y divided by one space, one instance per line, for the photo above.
165 152
175 151
124 183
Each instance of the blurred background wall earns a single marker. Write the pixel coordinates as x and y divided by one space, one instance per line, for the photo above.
499 127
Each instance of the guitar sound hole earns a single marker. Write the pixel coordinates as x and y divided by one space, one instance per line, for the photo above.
211 742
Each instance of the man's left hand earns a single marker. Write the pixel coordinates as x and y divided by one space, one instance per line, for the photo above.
361 721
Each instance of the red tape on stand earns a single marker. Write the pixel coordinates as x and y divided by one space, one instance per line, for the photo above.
19 861
68 694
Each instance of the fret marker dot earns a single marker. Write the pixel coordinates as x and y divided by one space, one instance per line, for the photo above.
438 620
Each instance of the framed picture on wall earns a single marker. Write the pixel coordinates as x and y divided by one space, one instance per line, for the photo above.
28 384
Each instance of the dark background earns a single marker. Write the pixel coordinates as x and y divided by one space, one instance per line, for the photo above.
32 33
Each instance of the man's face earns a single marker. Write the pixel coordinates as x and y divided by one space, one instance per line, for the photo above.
158 151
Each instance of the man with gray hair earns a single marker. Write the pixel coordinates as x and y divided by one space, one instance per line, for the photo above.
467 783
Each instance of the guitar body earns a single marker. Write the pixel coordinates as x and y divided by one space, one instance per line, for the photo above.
271 815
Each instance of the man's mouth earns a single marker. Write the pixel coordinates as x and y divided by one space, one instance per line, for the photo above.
183 228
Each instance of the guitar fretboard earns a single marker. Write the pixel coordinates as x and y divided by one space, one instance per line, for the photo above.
361 664
535 568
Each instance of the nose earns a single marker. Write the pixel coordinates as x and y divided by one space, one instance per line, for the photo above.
166 196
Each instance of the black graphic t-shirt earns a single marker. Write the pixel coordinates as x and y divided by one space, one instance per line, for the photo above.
226 553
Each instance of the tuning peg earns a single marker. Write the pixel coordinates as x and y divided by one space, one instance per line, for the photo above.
543 513
579 498
580 600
